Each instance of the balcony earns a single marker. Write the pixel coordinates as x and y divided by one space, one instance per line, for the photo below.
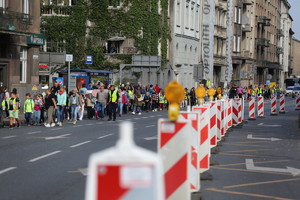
247 2
279 50
246 28
265 21
261 63
280 33
14 21
263 42
56 10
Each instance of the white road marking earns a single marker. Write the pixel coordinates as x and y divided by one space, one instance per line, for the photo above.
290 170
149 126
44 156
89 124
151 138
54 129
104 136
82 143
144 117
7 137
262 124
152 116
57 137
250 136
136 118
7 170
35 132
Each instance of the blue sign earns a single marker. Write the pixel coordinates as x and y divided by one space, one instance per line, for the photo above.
268 82
89 60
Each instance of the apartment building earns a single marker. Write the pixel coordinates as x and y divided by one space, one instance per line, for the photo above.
184 48
294 70
19 44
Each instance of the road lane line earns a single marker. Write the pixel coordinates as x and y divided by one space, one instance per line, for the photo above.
77 126
44 156
54 129
57 137
104 136
144 117
7 137
149 126
89 124
82 143
7 170
34 132
136 118
152 116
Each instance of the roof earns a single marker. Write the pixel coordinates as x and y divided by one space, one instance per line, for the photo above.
88 71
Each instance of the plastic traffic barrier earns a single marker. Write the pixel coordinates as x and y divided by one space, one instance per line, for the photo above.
297 102
241 111
229 113
125 172
194 176
223 115
260 107
282 104
204 137
252 108
219 136
235 112
273 105
213 123
174 147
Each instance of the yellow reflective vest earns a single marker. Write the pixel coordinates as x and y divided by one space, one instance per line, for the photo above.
113 96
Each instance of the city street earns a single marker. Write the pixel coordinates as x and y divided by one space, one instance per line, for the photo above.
50 163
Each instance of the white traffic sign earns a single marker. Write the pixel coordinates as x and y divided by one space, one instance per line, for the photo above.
250 136
69 57
289 170
89 60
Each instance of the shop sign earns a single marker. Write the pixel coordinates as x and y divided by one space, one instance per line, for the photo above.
36 39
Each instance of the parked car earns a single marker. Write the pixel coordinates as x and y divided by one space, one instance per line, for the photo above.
296 91
289 90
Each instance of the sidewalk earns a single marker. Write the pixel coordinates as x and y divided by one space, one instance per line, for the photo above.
269 178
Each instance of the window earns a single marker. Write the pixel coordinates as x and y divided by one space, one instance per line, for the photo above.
239 15
2 3
187 15
178 14
192 18
197 19
23 65
236 43
25 6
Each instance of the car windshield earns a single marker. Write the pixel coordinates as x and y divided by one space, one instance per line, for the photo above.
296 88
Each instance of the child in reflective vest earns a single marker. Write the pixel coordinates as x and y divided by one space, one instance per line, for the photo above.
28 109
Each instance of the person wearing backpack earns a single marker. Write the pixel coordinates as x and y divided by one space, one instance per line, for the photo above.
12 107
28 108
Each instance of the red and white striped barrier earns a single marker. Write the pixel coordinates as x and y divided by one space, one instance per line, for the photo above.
235 112
204 137
282 103
260 107
174 148
273 105
229 112
252 108
241 107
219 136
194 175
298 102
223 115
125 171
213 123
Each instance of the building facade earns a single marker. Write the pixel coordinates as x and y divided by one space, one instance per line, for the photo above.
295 59
19 44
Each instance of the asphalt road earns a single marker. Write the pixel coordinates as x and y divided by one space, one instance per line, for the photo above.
49 163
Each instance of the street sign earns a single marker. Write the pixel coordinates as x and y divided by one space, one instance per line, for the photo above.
69 57
89 60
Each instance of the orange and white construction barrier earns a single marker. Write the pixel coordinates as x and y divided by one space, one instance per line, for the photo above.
252 108
235 112
241 108
229 113
282 103
204 138
260 106
125 171
223 115
273 105
219 136
298 102
174 148
194 175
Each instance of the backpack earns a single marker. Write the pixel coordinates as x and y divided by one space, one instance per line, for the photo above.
124 98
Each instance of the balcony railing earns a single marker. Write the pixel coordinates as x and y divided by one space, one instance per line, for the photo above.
263 42
56 10
246 28
264 20
14 21
279 50
247 2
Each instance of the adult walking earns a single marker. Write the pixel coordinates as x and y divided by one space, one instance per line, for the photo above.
61 104
102 98
75 103
112 105
50 106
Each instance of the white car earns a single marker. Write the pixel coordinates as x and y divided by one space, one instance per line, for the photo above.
289 90
296 91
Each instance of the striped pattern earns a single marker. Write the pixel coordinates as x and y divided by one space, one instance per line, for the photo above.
174 147
260 107
223 115
240 119
204 148
235 112
298 102
213 124
282 103
194 175
218 120
229 112
252 108
273 105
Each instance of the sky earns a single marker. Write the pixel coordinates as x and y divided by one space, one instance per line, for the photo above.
295 13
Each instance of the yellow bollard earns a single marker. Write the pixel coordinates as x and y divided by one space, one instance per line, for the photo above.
174 93
219 91
211 93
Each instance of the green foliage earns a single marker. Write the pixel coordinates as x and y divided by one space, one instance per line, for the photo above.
137 19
